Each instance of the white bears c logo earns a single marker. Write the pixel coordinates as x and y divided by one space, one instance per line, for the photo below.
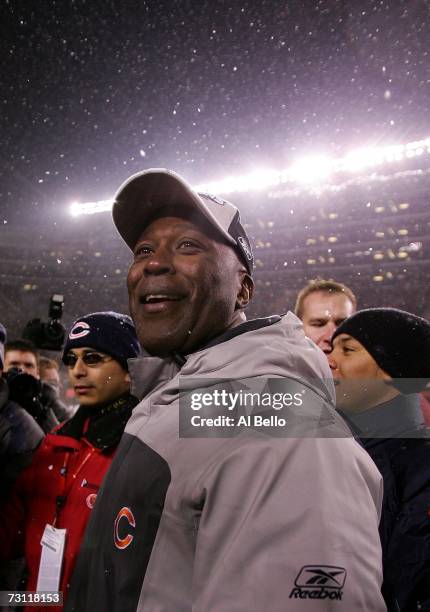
91 500
127 514
79 330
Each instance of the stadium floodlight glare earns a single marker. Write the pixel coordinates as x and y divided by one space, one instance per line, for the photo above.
254 181
75 209
89 208
360 159
310 169
313 172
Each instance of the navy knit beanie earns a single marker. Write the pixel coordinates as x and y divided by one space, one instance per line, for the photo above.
398 341
111 333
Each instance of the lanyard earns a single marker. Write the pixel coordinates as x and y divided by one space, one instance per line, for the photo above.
61 499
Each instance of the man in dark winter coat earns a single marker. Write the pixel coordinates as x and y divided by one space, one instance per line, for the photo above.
19 433
381 361
21 362
53 498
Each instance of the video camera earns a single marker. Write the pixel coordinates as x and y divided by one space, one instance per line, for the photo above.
48 335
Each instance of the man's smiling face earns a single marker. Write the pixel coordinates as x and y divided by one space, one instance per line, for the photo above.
185 285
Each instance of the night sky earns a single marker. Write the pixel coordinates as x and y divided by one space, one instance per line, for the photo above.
92 91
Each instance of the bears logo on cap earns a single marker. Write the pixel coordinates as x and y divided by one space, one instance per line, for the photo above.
214 198
245 247
79 330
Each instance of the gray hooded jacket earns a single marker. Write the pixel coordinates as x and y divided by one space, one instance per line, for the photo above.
247 523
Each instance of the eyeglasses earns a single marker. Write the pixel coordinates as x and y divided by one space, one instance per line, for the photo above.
92 359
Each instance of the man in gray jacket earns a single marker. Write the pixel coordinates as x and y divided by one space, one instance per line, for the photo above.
213 505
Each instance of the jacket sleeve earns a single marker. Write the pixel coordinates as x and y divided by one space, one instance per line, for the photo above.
285 521
13 516
21 440
5 436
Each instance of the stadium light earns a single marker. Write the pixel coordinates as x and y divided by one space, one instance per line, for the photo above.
360 160
75 209
89 208
311 171
254 181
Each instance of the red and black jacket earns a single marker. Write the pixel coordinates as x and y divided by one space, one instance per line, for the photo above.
60 486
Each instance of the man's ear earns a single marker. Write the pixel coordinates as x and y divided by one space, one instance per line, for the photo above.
245 293
127 378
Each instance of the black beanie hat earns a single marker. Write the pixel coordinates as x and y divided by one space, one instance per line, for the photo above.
398 341
109 332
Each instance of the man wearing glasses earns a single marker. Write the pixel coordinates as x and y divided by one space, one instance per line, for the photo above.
49 508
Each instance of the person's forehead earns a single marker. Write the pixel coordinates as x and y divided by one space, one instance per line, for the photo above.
342 338
51 372
173 221
85 349
22 356
326 304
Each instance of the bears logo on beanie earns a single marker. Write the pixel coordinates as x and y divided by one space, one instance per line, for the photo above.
111 333
397 340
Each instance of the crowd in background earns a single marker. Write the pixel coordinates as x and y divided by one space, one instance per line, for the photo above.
33 411
65 449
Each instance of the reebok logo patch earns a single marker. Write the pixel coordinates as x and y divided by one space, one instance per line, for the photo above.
319 582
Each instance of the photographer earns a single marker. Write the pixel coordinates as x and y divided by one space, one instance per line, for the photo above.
51 386
19 433
21 364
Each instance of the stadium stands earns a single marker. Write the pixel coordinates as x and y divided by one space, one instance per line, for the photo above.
372 233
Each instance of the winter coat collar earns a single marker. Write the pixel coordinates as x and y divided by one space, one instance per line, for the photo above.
286 349
247 326
399 417
101 426
148 372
